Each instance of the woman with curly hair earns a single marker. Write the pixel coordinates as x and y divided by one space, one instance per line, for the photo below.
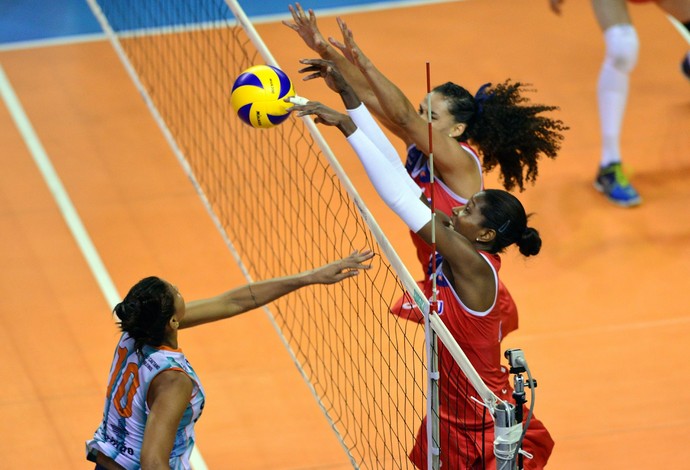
507 131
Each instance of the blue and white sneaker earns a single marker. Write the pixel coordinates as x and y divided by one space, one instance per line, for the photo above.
615 186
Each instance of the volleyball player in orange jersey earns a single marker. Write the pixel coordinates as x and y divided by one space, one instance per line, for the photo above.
469 242
507 132
154 397
622 46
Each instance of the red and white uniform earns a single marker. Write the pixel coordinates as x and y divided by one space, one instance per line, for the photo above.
464 424
417 166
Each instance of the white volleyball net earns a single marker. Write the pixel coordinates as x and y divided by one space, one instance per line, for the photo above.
284 204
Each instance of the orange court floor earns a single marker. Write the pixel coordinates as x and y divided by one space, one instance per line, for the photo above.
604 309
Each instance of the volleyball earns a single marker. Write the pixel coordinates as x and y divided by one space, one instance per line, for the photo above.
258 96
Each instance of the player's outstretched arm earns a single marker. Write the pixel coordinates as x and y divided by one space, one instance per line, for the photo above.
257 294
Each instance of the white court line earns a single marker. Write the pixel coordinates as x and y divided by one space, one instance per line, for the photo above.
681 29
61 197
256 19
69 213
61 41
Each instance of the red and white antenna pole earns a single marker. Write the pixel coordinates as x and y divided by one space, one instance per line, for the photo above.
433 434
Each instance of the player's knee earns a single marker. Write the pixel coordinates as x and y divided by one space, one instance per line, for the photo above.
622 47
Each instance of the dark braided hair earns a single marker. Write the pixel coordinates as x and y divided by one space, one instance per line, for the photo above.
505 214
506 130
145 312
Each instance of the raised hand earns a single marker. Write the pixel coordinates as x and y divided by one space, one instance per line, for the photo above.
319 68
307 29
349 47
342 269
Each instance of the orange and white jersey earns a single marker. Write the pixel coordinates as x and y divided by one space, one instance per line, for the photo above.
121 433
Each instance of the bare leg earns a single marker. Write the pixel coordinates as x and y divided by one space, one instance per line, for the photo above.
611 12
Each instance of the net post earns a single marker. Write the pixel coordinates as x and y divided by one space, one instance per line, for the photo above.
519 396
507 433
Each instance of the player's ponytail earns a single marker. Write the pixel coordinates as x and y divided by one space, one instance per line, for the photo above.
505 215
530 242
509 131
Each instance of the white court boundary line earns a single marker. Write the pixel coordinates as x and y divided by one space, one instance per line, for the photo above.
256 19
67 209
680 28
59 41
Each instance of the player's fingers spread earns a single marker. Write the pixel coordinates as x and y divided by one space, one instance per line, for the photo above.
295 12
362 255
315 63
311 68
336 43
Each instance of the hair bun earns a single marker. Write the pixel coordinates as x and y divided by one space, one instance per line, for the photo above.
530 242
122 312
127 309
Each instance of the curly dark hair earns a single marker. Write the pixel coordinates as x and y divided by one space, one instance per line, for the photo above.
507 130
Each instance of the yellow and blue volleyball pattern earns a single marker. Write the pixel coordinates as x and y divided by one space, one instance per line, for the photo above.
258 96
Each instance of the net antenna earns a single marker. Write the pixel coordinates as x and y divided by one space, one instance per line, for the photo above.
433 424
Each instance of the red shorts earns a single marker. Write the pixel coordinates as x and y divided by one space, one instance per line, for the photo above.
463 452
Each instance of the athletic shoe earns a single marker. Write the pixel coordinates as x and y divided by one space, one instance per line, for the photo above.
685 66
612 182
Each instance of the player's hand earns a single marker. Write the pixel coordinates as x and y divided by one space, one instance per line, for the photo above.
319 68
343 269
349 47
306 27
325 115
